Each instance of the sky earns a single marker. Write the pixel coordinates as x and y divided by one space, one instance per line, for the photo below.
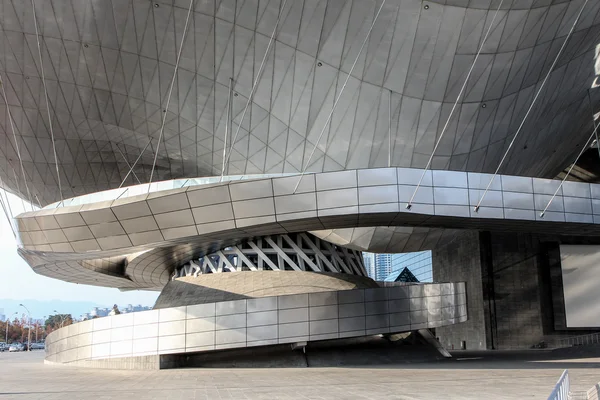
19 282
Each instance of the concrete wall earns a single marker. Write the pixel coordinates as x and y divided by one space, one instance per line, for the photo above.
258 322
514 290
460 261
212 288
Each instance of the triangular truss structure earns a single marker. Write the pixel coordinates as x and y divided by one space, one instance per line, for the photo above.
292 252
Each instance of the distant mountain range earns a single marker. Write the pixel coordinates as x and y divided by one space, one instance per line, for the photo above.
39 308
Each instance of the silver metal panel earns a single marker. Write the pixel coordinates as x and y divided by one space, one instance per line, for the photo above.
253 208
378 194
337 198
218 212
292 301
451 179
230 321
293 330
323 312
399 319
200 325
295 203
164 204
251 190
200 339
201 310
481 181
261 304
576 189
169 343
145 346
262 333
172 314
377 177
145 317
141 224
517 184
451 196
351 310
231 307
323 326
230 336
200 197
171 328
336 180
578 205
174 219
119 334
145 331
376 321
261 318
518 200
293 315
351 296
409 176
322 299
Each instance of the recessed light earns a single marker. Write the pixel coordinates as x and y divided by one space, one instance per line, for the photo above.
426 6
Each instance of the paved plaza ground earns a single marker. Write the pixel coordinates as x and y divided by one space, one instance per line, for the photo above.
485 375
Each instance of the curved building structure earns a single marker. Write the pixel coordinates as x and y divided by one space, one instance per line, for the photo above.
218 146
266 76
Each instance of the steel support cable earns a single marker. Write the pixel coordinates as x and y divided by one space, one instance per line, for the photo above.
135 162
585 147
255 85
8 218
335 103
390 130
37 36
18 189
5 195
226 128
4 207
128 165
594 117
166 109
476 209
12 127
462 90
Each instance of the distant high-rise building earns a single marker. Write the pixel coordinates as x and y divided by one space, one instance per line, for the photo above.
369 259
418 263
2 315
383 266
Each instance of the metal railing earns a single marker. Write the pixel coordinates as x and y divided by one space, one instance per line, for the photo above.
562 388
592 338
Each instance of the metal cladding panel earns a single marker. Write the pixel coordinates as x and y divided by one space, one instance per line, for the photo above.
415 61
328 316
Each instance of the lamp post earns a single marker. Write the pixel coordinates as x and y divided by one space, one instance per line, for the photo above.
62 318
7 324
28 328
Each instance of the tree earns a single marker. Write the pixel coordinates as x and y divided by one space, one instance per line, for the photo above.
57 321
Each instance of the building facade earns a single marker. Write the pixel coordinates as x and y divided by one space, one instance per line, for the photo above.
232 155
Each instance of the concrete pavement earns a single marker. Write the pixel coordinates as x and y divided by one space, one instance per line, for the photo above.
485 375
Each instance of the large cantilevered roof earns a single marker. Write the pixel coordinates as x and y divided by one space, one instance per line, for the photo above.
108 65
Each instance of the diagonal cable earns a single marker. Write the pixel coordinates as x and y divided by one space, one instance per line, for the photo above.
12 126
128 165
585 147
258 77
476 209
339 96
226 127
135 163
162 126
37 36
462 90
